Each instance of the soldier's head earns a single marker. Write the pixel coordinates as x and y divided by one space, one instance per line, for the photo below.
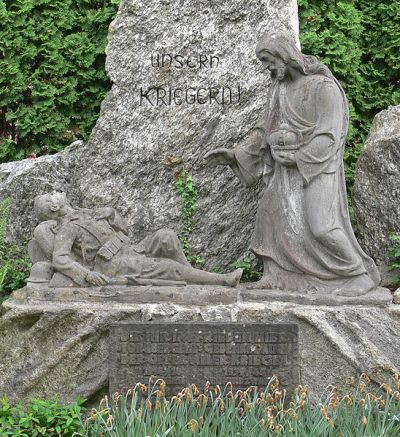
51 206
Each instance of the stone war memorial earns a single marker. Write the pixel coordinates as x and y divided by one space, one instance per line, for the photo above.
220 92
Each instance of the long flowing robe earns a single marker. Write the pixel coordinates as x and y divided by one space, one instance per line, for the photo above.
302 222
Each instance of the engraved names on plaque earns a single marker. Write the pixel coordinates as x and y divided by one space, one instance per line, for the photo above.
185 353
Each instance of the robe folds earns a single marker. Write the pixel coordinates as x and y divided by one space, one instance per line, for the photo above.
302 222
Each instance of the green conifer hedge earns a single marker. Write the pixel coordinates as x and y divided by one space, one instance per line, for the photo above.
52 77
360 42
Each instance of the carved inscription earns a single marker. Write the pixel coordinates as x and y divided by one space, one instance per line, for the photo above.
175 95
185 353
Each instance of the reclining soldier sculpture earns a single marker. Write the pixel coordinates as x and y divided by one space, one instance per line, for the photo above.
91 247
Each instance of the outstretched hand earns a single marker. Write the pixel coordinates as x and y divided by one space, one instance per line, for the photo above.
219 157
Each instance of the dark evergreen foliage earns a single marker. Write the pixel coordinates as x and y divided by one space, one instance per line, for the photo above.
52 77
359 40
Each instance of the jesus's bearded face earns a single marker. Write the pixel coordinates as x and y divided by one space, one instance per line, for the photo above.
275 65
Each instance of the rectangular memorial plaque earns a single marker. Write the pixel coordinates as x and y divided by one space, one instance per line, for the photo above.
185 353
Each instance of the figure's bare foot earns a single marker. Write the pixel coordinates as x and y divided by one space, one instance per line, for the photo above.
357 286
232 279
263 284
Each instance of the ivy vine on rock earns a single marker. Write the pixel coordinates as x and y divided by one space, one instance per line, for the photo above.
189 195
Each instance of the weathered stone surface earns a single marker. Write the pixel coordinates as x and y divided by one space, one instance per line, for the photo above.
185 353
376 193
200 295
23 180
397 296
191 295
379 297
51 348
135 152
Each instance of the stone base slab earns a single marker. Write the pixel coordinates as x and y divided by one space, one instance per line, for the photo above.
52 348
379 297
197 295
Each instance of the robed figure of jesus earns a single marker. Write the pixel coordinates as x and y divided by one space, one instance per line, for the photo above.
303 232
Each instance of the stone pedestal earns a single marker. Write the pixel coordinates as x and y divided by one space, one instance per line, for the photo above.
52 348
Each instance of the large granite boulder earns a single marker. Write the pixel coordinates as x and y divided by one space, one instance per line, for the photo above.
376 193
142 142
